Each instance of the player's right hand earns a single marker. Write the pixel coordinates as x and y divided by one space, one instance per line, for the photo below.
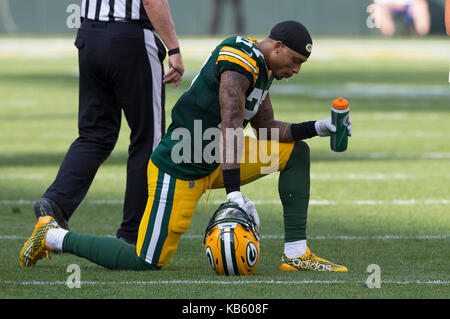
246 204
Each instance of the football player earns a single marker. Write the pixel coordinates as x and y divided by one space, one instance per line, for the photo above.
231 91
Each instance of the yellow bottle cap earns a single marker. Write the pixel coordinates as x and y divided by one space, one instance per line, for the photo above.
340 103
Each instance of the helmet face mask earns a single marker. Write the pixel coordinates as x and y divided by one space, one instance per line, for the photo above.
232 241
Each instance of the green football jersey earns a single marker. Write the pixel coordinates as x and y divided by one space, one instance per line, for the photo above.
188 150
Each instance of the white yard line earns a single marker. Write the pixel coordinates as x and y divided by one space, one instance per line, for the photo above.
326 49
319 237
37 176
221 282
318 156
21 176
343 237
405 134
314 176
383 155
319 202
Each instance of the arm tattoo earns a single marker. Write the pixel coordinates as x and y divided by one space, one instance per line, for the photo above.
233 87
284 131
264 119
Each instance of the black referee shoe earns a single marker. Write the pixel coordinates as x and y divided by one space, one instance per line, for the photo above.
47 207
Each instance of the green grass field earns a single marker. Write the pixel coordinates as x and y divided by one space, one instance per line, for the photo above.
385 201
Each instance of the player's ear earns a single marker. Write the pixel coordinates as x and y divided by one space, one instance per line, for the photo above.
277 46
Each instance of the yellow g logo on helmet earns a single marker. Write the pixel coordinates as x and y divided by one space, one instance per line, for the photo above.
252 254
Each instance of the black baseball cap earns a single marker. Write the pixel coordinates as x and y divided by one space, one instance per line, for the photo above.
294 35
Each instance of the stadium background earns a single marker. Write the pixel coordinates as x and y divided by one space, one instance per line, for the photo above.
323 17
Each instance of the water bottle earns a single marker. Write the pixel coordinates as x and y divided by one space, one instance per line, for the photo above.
339 118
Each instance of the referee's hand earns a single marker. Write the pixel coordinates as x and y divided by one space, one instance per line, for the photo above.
176 70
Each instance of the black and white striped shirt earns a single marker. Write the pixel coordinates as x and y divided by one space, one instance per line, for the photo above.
114 10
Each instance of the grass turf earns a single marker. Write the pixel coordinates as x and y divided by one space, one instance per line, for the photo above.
385 201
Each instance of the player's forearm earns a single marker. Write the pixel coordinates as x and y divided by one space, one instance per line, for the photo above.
277 130
286 132
266 127
233 143
233 86
158 12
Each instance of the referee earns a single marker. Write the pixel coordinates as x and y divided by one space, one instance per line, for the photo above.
121 68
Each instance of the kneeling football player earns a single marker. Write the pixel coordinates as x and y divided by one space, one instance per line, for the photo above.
231 90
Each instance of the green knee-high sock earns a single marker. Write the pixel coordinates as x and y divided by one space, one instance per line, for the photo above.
293 187
108 252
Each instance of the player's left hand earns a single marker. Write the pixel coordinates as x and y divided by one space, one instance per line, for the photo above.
246 204
325 128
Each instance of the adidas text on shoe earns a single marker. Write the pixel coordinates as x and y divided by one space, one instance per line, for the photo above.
309 261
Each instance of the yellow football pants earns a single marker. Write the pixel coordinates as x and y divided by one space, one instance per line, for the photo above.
171 203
